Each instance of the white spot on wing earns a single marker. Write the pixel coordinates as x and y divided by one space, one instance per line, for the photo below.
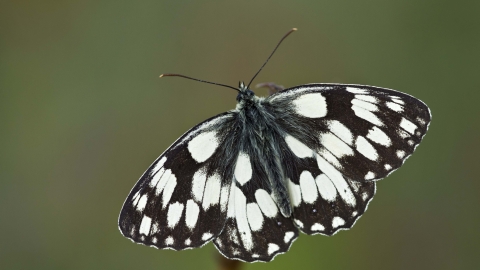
142 202
174 214
168 191
191 214
198 184
169 241
326 188
242 221
145 225
377 135
341 131
272 248
317 227
297 147
206 236
388 167
366 149
369 176
400 154
356 90
408 126
337 221
335 145
255 217
394 107
288 236
243 169
295 194
188 242
203 146
367 115
337 179
266 203
312 105
308 187
212 191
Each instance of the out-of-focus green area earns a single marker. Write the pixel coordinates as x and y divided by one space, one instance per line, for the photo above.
83 114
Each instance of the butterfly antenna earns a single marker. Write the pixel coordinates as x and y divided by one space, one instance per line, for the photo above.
198 80
280 42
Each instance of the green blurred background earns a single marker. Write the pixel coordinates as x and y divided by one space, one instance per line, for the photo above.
83 114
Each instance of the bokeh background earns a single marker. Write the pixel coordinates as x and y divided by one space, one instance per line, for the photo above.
83 114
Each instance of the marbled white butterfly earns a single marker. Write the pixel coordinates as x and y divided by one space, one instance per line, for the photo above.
304 158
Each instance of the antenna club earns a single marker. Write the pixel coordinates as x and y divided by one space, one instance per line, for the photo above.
161 75
294 29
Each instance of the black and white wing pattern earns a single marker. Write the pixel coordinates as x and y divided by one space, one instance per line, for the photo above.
304 158
180 202
255 229
343 138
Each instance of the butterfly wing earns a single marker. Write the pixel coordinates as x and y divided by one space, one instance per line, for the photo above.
342 137
181 201
336 140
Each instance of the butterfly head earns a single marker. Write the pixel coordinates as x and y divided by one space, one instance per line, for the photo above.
244 93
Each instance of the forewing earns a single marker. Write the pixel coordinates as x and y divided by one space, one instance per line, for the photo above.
181 200
364 132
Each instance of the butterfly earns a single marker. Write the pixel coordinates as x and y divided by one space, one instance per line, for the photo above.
303 159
